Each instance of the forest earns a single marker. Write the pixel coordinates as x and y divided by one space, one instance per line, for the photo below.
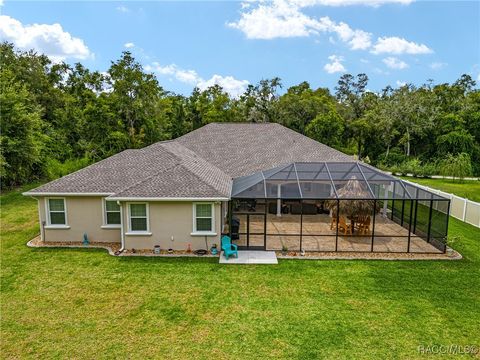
57 118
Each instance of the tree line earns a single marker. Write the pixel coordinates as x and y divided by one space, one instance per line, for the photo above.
57 118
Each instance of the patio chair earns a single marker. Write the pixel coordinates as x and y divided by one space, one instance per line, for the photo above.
229 248
333 223
343 226
364 225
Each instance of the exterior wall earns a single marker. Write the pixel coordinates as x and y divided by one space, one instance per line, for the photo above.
84 215
172 219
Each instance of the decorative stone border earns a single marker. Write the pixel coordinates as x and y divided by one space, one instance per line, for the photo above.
372 256
113 247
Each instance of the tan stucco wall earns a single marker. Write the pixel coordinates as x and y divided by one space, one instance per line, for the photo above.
169 219
84 215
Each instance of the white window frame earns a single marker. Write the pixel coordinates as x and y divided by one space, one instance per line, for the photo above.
47 214
195 232
138 232
104 216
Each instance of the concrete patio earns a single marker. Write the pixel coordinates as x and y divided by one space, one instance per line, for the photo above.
318 236
251 257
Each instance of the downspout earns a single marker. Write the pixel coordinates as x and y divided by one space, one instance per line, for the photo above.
122 231
42 222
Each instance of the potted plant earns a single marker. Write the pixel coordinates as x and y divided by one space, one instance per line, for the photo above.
284 250
214 250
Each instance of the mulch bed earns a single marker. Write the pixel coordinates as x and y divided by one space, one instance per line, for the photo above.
110 247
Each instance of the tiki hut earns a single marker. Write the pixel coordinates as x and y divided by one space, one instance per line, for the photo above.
360 199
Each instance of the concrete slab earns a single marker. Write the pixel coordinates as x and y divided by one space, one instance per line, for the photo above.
251 257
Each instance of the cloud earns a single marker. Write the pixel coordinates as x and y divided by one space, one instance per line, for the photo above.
335 65
51 40
394 63
400 83
282 19
396 45
278 19
122 9
129 45
232 86
285 19
437 65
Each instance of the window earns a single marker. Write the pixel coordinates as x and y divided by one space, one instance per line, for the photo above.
203 218
56 212
138 214
112 213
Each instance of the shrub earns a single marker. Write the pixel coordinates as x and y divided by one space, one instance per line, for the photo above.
412 166
457 166
394 158
395 169
429 169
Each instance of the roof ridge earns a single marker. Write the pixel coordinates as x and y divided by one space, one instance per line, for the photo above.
145 179
180 162
192 156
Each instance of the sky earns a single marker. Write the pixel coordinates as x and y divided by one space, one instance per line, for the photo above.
233 44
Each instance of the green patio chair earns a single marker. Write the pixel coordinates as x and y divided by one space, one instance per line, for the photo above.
229 248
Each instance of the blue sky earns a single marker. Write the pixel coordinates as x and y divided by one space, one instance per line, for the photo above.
200 43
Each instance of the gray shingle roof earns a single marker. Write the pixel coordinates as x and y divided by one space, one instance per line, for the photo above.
241 149
200 164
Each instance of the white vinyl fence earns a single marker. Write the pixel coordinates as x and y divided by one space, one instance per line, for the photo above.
463 209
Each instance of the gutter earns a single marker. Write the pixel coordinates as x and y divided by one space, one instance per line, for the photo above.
133 199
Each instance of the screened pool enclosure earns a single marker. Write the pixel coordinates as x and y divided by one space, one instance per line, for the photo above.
335 207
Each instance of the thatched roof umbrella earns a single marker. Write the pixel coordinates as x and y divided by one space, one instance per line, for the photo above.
362 202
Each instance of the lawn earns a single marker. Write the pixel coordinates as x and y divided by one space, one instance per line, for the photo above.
66 303
469 189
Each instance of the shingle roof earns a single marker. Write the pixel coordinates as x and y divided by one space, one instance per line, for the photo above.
191 176
241 149
200 164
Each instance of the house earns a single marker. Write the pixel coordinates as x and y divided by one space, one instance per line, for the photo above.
264 184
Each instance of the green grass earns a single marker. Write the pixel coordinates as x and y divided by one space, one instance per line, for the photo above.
469 189
66 303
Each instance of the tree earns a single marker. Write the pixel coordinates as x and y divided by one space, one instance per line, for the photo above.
414 112
58 117
134 98
455 142
258 103
21 138
300 105
326 128
352 94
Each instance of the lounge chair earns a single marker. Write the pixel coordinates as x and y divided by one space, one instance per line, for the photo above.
229 248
